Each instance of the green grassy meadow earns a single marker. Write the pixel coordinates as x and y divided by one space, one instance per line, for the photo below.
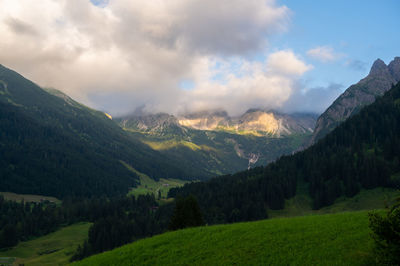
52 249
150 186
331 239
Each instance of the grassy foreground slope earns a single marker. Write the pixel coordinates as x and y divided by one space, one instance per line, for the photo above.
332 239
52 249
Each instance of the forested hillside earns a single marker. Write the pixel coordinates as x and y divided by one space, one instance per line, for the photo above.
52 145
363 152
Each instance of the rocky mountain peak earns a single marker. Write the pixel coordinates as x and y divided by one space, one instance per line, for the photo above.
379 68
394 68
380 79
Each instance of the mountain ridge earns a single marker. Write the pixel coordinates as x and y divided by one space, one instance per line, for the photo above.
254 121
379 80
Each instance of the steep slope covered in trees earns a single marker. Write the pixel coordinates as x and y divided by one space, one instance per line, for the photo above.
362 152
379 80
55 146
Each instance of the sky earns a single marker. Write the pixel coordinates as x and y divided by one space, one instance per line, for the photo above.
181 56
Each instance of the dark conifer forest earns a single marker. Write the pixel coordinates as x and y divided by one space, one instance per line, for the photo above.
116 221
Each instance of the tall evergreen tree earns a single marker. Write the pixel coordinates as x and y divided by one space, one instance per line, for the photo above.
186 214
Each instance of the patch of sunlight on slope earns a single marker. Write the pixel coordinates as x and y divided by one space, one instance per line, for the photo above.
53 249
108 115
243 132
169 144
150 186
332 239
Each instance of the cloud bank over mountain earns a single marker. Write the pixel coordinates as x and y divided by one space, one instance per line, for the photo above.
119 55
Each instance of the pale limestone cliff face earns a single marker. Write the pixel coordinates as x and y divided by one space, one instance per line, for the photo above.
260 121
203 123
379 80
256 121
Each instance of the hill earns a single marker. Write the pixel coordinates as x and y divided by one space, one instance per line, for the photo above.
362 152
216 143
334 239
379 80
68 149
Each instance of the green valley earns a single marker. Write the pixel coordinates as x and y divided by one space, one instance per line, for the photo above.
199 132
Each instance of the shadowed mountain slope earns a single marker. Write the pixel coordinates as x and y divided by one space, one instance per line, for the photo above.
52 145
379 80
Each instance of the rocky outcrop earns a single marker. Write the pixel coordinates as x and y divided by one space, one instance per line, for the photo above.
379 80
160 124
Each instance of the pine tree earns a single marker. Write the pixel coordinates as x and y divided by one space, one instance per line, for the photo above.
186 214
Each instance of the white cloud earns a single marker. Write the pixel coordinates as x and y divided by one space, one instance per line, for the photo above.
323 54
252 85
130 53
287 63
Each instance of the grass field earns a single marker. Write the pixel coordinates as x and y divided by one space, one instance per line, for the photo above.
331 239
27 197
372 199
53 249
150 186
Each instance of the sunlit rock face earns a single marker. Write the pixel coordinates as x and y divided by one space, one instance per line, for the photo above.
254 122
205 120
260 121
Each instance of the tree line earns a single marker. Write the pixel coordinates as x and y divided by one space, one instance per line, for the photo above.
116 221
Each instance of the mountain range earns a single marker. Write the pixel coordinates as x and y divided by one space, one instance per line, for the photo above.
70 149
255 122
